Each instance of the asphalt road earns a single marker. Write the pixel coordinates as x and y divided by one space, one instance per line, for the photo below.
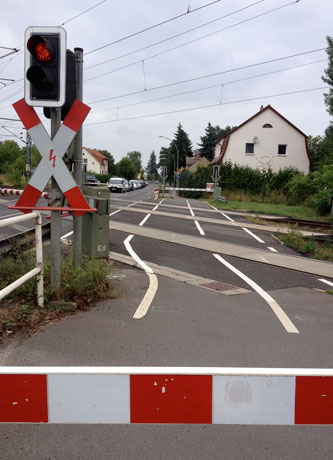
187 324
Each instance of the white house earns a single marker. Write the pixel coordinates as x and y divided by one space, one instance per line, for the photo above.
267 139
94 161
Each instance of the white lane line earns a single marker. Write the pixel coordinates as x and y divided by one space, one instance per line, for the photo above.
158 204
189 207
196 222
272 249
67 234
253 235
281 315
227 217
11 215
132 204
144 220
199 228
143 308
115 212
326 281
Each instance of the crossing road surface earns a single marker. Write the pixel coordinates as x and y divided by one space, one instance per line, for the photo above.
197 287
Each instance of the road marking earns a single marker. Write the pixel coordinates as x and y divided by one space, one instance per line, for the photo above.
143 308
114 212
144 220
189 207
254 236
10 215
67 234
158 204
199 228
326 281
148 298
272 249
227 217
196 222
281 315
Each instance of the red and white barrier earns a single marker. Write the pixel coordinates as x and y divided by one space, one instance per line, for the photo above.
166 395
183 189
12 191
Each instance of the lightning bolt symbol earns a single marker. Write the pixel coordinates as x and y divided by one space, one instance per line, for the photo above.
52 158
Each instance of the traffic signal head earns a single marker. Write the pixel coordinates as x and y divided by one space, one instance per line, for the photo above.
45 66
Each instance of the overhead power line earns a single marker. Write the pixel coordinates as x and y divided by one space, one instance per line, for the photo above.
208 76
196 39
151 27
173 36
207 106
208 87
83 12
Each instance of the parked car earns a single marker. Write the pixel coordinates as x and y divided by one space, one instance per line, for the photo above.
127 186
91 180
117 184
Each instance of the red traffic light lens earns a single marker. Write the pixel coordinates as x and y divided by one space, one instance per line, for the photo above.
38 48
42 52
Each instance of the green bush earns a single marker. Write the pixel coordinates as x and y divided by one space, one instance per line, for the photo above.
103 178
320 202
80 285
298 189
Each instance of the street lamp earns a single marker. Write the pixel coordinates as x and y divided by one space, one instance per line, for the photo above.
172 141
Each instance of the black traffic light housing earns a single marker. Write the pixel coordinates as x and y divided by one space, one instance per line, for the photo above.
70 86
45 66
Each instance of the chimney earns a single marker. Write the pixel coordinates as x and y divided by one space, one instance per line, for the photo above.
261 108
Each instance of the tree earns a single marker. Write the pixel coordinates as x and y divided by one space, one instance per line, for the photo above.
126 169
329 76
152 167
167 159
135 158
9 152
184 145
208 142
111 163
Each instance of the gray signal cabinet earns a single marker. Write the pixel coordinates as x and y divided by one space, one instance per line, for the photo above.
95 225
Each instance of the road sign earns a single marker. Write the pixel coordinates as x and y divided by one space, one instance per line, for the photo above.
52 151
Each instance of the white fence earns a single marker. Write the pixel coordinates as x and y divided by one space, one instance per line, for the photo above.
38 270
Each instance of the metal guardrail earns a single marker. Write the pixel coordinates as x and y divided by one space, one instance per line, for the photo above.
38 270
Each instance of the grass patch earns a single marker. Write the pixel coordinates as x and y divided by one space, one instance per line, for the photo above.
79 289
308 246
296 212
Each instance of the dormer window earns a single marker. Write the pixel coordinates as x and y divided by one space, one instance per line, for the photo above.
267 125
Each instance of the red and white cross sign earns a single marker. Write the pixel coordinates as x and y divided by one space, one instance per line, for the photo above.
52 151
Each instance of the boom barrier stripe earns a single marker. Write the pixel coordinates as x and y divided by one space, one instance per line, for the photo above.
189 189
152 396
12 191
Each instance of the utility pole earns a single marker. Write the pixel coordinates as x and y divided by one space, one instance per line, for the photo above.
28 161
55 200
77 156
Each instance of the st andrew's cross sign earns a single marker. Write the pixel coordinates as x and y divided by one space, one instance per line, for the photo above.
52 151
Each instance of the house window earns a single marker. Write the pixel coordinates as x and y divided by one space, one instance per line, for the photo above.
282 149
267 125
249 148
85 160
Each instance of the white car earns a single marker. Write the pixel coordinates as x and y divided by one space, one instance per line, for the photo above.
117 184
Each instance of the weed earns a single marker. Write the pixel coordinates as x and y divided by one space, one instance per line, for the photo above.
307 246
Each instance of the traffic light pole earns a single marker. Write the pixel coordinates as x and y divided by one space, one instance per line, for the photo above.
56 198
77 156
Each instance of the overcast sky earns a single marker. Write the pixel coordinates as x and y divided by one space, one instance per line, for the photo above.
134 122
